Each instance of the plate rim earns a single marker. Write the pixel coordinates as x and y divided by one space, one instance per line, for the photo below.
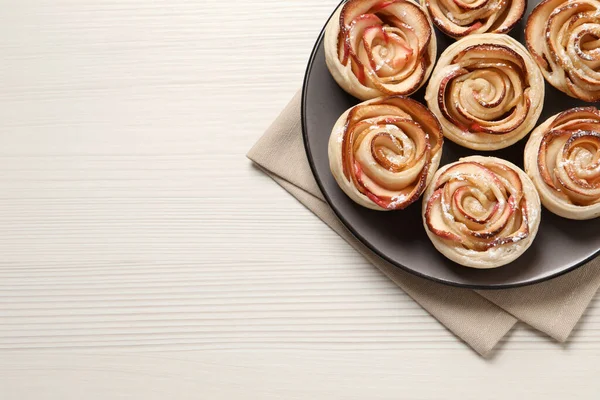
367 243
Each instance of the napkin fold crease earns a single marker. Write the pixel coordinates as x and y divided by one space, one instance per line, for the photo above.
480 318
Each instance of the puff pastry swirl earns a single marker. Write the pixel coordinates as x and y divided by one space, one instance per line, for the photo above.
564 38
562 157
458 18
481 212
486 91
384 152
380 47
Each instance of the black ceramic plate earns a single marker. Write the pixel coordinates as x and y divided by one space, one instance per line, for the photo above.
398 236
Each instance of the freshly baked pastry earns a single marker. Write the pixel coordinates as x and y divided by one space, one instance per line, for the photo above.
562 157
384 152
481 212
380 47
563 37
458 18
486 91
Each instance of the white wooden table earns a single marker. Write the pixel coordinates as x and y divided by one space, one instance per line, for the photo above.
144 257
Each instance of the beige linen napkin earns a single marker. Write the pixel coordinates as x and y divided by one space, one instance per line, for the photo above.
480 318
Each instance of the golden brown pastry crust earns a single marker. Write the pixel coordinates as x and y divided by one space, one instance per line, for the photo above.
384 152
486 91
459 18
481 212
380 47
562 36
562 157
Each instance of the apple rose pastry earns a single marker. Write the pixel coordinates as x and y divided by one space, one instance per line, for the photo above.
481 212
458 18
486 91
384 152
564 38
380 47
562 157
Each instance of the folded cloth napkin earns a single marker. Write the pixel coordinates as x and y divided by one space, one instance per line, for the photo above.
480 318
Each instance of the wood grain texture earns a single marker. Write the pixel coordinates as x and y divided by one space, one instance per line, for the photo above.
131 221
297 375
